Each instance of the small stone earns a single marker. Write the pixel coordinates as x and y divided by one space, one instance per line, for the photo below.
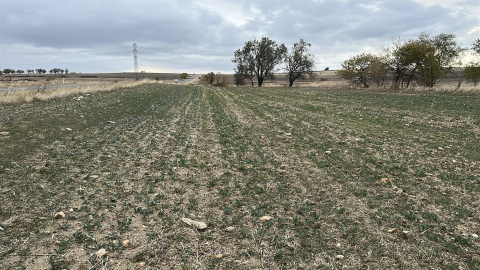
340 257
199 225
218 256
384 180
264 218
406 232
141 264
69 129
328 152
125 243
4 133
282 171
110 122
474 235
59 215
393 230
288 134
230 229
70 210
101 252
283 166
339 245
440 149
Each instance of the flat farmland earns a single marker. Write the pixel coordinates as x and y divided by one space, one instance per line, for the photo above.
301 178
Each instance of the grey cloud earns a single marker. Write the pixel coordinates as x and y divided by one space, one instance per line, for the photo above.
183 33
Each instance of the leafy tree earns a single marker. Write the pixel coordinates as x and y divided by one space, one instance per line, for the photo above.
244 70
66 71
425 60
239 79
447 49
20 71
9 71
299 62
183 76
259 58
472 73
357 69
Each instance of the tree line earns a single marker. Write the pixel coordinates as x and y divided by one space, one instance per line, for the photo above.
33 71
421 61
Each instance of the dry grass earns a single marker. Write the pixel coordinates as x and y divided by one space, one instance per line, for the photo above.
42 93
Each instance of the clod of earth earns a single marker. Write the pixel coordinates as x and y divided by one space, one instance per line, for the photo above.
218 256
199 225
230 229
393 230
4 133
125 243
59 215
384 180
141 264
340 257
264 218
101 252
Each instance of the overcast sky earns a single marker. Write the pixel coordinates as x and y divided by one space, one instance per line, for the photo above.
200 36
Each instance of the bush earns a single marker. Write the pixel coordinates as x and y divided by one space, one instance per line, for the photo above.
50 78
157 79
183 76
472 73
221 80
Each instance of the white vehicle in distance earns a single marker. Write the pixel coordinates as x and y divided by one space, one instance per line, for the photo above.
176 80
191 76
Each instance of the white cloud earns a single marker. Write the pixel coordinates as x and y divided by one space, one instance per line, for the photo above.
230 11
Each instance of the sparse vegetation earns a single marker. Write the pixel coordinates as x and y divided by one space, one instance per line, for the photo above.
283 178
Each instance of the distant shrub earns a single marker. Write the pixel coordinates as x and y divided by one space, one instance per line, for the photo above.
50 78
157 79
327 69
472 73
